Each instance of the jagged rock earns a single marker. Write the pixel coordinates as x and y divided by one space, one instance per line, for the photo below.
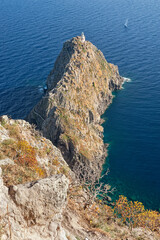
39 201
38 210
79 90
34 210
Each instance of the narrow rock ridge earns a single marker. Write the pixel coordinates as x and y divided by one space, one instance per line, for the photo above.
79 90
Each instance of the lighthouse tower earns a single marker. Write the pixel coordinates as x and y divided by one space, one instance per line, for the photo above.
82 38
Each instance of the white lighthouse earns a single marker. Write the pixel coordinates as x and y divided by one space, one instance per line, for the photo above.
82 38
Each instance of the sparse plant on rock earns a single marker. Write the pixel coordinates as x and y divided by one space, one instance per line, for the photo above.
26 154
135 215
94 187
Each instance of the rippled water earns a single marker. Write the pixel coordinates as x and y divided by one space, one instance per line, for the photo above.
31 36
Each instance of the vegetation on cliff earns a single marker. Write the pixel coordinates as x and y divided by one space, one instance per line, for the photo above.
26 157
24 154
79 90
40 196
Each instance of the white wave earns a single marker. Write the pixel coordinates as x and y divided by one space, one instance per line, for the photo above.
41 89
127 79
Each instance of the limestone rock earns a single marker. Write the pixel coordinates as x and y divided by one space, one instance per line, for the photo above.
79 90
42 199
44 209
34 210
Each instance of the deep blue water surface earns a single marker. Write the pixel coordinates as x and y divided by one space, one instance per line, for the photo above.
31 36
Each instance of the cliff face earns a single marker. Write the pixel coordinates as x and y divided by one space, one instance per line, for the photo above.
36 200
79 90
30 207
41 199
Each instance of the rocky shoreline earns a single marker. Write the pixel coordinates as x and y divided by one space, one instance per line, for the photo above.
79 91
41 198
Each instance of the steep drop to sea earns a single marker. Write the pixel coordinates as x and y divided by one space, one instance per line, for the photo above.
79 90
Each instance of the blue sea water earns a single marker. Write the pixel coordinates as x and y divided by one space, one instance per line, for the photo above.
32 33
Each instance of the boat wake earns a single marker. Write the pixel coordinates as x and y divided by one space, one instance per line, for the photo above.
126 24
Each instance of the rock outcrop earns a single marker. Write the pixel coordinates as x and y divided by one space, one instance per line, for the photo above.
41 199
34 210
79 90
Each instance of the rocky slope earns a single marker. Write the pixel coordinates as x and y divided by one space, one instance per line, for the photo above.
40 198
35 188
79 90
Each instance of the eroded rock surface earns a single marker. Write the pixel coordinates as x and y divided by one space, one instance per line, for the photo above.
40 200
34 210
49 204
79 90
39 196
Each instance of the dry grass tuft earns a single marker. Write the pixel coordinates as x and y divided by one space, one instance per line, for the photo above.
15 174
26 154
8 148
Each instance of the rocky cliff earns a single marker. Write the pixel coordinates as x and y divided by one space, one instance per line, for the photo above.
33 187
36 195
40 198
79 90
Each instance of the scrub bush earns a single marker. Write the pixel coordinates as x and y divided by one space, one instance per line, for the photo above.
135 215
26 154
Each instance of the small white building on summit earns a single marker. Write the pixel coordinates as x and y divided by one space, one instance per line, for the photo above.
82 37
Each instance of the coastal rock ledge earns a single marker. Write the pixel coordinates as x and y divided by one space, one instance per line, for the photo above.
79 89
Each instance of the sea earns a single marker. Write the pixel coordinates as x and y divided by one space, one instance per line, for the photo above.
32 34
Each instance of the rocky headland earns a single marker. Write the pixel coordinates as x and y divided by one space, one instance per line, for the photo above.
79 90
41 198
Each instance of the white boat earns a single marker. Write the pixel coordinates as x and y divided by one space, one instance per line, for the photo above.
126 23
